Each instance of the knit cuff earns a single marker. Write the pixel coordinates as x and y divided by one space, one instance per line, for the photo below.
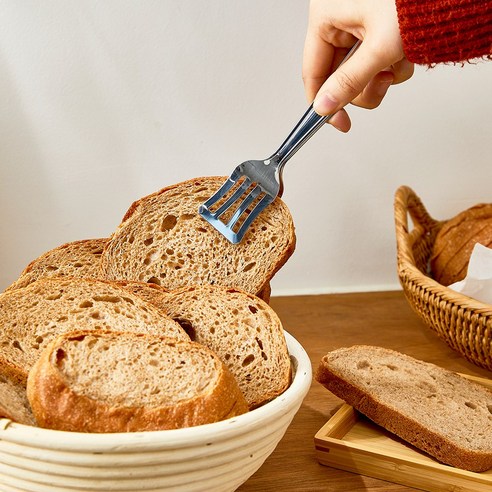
439 31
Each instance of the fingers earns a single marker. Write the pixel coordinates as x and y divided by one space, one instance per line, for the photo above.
365 78
402 70
316 69
341 121
317 64
349 80
324 48
374 92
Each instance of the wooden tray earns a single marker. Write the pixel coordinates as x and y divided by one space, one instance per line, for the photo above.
349 441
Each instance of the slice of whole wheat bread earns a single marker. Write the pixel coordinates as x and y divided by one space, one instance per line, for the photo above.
99 381
75 259
242 330
162 239
432 408
34 315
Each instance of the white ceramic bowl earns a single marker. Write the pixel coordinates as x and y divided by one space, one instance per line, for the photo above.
213 457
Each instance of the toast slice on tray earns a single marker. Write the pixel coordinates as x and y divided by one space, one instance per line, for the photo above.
436 410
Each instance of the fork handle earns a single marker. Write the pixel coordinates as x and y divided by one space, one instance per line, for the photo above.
307 126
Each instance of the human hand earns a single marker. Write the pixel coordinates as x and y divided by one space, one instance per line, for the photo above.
363 80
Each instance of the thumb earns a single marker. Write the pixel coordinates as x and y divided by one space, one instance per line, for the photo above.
348 80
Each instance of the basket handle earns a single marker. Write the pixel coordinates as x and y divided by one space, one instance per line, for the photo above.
408 204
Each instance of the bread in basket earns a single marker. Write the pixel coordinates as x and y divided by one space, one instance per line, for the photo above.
465 324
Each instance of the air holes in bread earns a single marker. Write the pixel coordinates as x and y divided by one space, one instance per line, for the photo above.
427 387
17 345
248 360
253 309
149 241
363 364
392 367
60 356
92 342
471 405
86 304
154 280
107 298
38 340
168 223
151 256
249 266
54 297
187 327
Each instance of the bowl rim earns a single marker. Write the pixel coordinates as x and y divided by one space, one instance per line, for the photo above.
165 439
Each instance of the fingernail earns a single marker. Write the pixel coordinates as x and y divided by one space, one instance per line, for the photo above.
325 104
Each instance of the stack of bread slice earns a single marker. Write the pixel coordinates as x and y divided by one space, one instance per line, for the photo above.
164 294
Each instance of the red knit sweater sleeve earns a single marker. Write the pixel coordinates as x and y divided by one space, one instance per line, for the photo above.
437 31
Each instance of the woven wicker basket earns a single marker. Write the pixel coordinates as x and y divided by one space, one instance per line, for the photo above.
464 323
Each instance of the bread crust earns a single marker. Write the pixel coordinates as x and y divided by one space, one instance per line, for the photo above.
265 293
57 406
404 426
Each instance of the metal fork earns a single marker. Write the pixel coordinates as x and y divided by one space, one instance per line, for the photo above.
254 184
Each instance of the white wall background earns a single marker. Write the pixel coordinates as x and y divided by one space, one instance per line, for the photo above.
105 102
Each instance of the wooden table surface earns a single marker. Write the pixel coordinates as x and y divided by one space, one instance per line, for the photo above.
323 323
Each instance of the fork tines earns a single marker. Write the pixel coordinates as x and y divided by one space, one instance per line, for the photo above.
234 206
